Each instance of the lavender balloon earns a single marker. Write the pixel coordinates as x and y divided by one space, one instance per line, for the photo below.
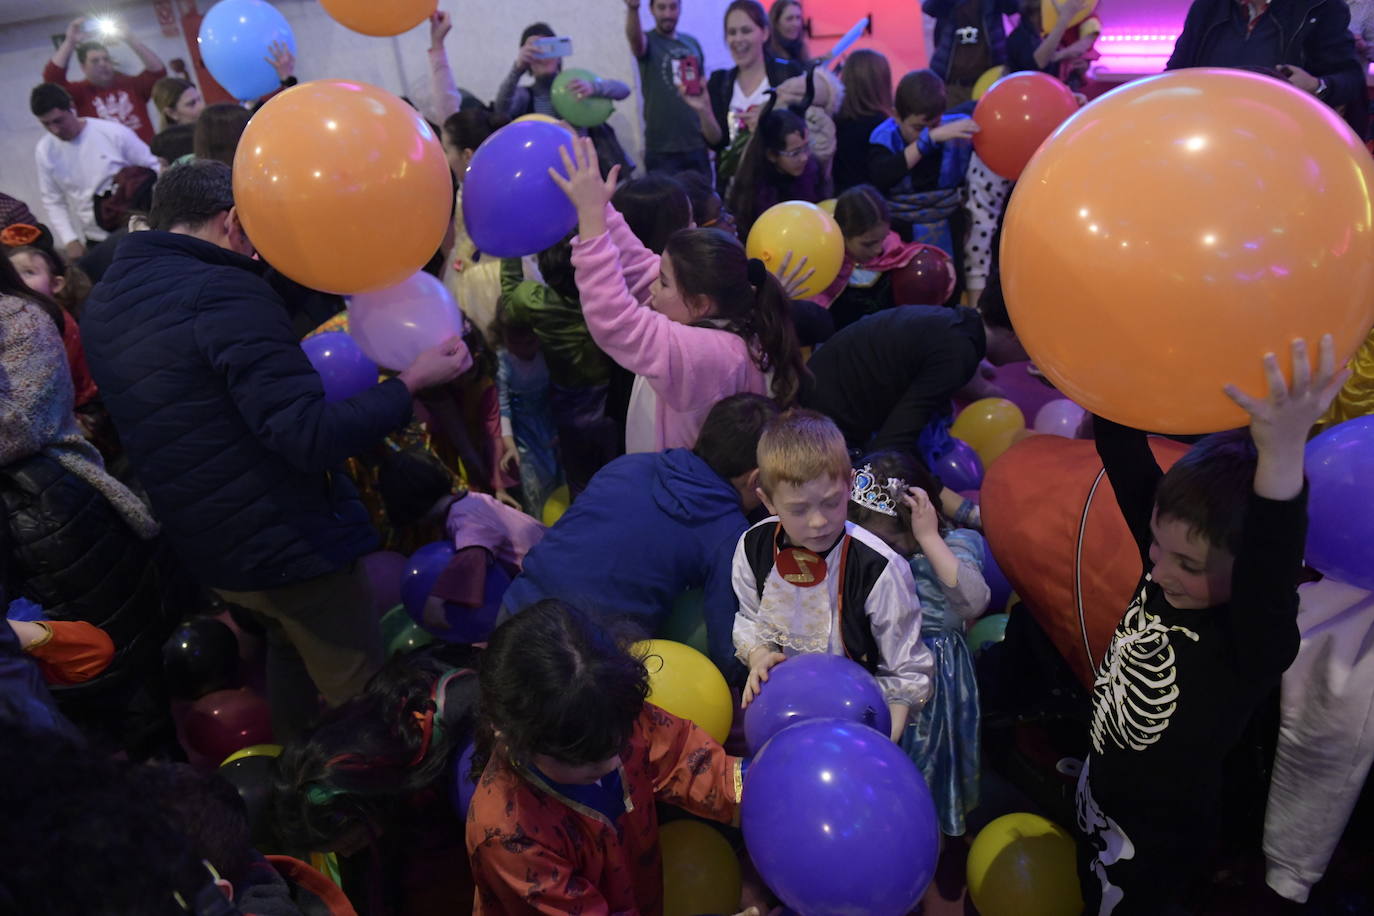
511 207
1060 417
1340 503
394 325
344 369
839 821
960 468
815 687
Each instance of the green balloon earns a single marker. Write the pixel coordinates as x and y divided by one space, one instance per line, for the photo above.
588 112
687 621
400 633
990 629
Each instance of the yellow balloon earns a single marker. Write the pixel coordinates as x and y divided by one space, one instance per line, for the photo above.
1024 865
1049 15
687 684
700 871
989 426
984 82
253 750
547 119
555 504
828 205
805 231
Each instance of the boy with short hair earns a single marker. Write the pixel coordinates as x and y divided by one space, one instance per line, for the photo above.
1212 628
918 160
809 580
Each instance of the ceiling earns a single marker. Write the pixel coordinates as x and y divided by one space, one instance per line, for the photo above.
12 11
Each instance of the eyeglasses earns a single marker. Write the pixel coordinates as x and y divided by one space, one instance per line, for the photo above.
800 152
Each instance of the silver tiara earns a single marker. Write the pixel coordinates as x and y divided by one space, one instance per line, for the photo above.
869 493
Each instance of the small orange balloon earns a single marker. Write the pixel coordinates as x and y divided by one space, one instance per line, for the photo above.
1015 116
1179 228
379 17
342 186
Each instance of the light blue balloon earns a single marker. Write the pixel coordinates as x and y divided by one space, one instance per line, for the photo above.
234 39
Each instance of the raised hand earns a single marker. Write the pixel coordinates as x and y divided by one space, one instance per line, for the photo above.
440 23
584 185
794 279
282 60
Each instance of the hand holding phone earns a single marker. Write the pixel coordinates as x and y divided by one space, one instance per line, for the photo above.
689 74
548 48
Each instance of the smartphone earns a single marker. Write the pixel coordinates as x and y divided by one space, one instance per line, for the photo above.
553 47
689 71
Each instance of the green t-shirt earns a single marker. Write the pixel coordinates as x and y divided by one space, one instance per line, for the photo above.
670 124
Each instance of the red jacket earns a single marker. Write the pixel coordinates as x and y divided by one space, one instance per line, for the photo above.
125 100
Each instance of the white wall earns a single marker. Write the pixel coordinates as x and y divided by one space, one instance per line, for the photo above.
481 48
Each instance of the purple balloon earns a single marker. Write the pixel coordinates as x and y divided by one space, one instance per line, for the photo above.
1060 417
1340 529
344 369
511 207
997 581
463 785
815 687
960 468
838 821
461 624
422 571
394 325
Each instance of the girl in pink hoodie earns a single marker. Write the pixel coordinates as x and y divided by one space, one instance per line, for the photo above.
699 324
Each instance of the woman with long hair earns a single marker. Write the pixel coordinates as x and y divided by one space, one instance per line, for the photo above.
867 103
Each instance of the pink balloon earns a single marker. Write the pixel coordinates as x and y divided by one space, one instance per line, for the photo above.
394 325
1060 417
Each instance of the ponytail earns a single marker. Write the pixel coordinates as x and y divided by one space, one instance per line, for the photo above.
777 335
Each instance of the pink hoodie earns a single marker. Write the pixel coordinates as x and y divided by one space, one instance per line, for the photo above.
683 369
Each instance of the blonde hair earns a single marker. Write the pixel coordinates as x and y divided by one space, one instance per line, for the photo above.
800 446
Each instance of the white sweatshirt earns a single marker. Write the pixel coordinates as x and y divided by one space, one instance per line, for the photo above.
71 172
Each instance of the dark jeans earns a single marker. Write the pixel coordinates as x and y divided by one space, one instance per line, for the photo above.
697 160
587 438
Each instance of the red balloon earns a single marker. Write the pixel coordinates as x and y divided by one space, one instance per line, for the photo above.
1016 116
222 722
927 279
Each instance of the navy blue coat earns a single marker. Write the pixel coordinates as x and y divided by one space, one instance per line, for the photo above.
224 419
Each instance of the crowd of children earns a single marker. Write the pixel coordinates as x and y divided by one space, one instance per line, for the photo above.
644 413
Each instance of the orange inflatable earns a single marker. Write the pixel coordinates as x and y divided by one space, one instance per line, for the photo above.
1176 230
1015 116
342 186
379 17
1051 519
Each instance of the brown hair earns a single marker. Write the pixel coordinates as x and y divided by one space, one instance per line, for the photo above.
76 286
777 45
218 131
860 209
902 467
166 93
751 8
801 446
867 81
921 92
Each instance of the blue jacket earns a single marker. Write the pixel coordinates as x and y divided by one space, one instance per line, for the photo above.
223 418
647 528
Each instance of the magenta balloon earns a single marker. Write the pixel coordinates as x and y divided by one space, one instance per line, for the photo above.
344 368
815 687
1060 417
394 325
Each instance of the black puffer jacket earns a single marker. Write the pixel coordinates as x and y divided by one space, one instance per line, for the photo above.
67 549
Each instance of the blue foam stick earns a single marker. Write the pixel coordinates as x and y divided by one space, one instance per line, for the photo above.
853 35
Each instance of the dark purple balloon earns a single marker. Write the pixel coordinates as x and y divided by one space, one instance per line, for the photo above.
997 581
344 369
838 821
462 624
422 571
463 785
960 468
1340 504
511 207
815 687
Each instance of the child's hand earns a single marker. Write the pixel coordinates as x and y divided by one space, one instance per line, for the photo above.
760 660
439 24
282 60
962 129
925 519
504 497
510 459
580 89
585 186
1280 423
793 279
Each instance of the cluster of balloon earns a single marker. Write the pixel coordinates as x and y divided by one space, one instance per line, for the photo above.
394 325
461 623
701 873
234 39
927 279
201 656
588 112
511 207
1014 118
1340 471
402 634
815 687
381 19
251 771
1157 291
959 467
838 820
342 186
686 621
989 426
687 684
344 369
1024 865
222 722
802 230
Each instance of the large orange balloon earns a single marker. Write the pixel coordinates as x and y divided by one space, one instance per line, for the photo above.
1179 228
342 186
380 17
1015 116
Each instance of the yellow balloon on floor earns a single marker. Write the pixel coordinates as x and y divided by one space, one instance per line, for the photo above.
700 871
687 684
555 504
989 426
253 750
1024 865
984 82
804 230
